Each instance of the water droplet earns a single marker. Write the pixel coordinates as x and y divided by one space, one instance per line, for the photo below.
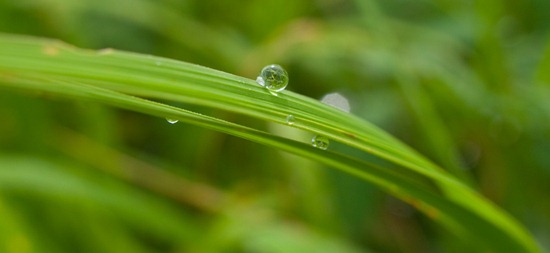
336 100
320 141
273 77
172 121
158 63
290 120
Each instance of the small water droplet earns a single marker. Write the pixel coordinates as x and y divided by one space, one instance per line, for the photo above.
336 100
172 121
273 77
320 141
158 63
290 120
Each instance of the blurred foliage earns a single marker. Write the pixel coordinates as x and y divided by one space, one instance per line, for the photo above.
464 82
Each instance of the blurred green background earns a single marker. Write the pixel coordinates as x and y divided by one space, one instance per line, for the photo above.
466 83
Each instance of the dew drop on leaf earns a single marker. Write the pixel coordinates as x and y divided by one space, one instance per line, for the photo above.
290 120
320 141
273 77
172 121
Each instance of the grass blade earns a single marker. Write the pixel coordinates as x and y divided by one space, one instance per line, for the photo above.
116 78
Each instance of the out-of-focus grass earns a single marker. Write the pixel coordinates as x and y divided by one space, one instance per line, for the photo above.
465 83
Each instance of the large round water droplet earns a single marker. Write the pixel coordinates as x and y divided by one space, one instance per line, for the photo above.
290 120
172 121
273 77
320 141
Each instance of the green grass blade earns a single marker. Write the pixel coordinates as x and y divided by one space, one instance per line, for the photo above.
115 78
